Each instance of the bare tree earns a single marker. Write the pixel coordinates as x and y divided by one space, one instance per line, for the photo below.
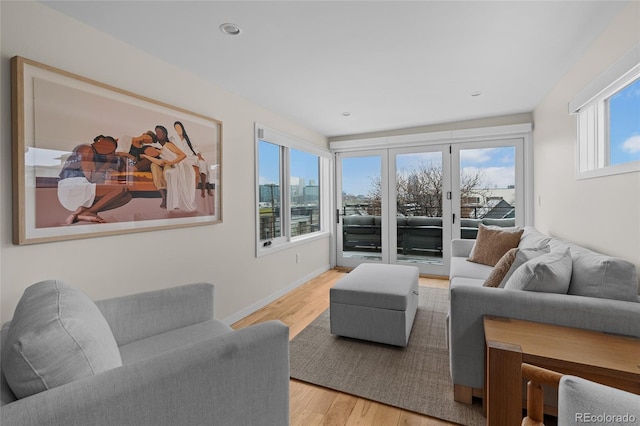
419 192
375 196
470 189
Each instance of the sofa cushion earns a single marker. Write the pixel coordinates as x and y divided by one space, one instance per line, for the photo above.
505 223
597 275
471 282
6 394
151 346
460 267
57 335
549 273
424 221
492 243
470 223
532 238
359 220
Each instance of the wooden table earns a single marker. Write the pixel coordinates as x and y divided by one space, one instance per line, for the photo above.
609 359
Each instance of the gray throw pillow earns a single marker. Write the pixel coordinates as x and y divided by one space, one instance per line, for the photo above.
532 238
509 263
597 275
549 273
523 255
57 335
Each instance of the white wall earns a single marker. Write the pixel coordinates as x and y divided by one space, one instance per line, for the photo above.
116 265
601 213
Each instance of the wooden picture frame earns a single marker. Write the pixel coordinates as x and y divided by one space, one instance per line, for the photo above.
82 166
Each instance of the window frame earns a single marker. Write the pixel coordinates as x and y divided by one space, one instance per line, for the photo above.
591 106
287 142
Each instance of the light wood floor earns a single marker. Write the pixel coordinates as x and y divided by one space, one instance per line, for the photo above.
314 405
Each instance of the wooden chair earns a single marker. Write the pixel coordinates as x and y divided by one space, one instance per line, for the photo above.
535 395
578 398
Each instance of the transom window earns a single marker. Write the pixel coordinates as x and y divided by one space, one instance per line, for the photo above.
608 113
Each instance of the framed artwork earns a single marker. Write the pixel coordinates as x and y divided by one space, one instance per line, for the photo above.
92 160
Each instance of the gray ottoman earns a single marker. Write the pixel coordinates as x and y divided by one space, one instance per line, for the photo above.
375 302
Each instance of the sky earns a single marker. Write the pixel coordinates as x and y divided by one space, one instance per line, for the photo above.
303 165
624 124
497 166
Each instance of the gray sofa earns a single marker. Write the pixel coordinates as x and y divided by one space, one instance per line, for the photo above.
602 296
179 367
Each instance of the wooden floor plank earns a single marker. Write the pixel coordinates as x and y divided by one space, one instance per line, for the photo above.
363 413
314 405
340 410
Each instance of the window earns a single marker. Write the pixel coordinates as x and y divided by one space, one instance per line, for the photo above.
270 200
304 192
292 194
624 125
608 113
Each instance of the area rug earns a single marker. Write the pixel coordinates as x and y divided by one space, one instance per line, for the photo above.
415 378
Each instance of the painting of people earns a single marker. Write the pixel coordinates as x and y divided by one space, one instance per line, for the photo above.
100 160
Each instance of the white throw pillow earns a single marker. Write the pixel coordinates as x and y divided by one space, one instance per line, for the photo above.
549 273
57 335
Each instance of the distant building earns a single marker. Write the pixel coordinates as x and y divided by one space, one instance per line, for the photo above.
496 209
493 203
270 193
311 194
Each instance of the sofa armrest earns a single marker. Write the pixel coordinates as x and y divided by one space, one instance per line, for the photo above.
239 378
468 305
141 315
461 247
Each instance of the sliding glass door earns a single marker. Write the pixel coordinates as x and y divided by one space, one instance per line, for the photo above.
488 185
390 208
405 205
361 204
420 229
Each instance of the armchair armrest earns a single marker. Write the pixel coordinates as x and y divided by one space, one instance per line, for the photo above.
241 377
141 315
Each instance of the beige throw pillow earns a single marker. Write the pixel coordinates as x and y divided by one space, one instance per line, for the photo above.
492 243
500 270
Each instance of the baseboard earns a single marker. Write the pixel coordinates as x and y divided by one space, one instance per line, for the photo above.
264 302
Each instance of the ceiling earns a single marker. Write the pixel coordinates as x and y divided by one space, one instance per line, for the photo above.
389 64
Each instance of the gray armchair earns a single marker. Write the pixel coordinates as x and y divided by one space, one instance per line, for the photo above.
579 400
582 401
179 367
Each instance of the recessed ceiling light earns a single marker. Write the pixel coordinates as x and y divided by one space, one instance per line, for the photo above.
230 29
